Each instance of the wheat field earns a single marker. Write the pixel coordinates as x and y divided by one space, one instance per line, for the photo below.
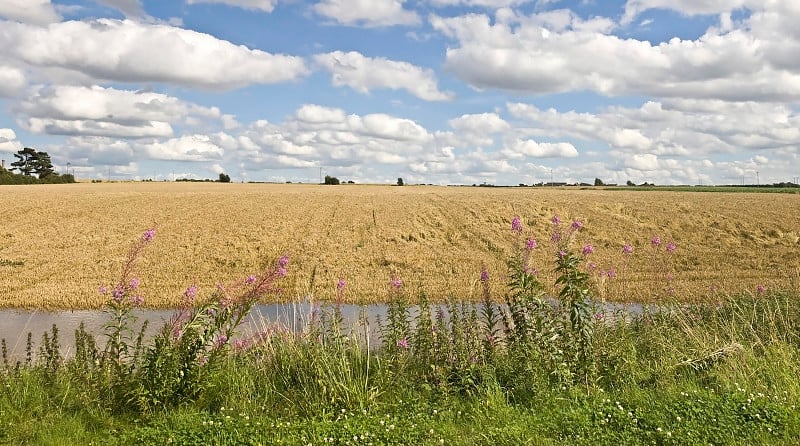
59 243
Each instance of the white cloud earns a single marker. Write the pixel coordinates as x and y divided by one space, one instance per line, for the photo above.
98 111
490 4
646 162
12 81
96 128
37 12
689 7
185 148
483 123
122 51
530 148
367 13
8 141
317 114
363 74
557 51
255 5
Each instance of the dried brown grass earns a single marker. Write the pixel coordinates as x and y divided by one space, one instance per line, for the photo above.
73 238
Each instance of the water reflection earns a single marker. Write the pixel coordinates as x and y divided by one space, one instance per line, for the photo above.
16 324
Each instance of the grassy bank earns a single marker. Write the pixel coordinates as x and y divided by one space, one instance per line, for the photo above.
719 375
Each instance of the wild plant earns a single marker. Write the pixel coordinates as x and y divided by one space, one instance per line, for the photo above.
124 298
396 330
174 370
50 352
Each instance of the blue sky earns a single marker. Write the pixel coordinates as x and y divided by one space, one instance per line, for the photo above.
434 91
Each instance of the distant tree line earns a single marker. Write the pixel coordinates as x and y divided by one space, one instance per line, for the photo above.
33 167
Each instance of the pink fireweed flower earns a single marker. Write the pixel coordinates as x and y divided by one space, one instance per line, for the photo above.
190 293
588 249
556 220
516 225
599 316
135 283
671 247
220 341
149 235
282 271
102 289
137 300
592 266
576 225
761 288
118 293
556 237
656 241
627 249
250 279
283 261
241 344
531 271
530 245
611 274
341 284
403 343
396 283
562 253
484 276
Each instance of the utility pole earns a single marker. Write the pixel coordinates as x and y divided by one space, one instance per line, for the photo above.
551 178
758 182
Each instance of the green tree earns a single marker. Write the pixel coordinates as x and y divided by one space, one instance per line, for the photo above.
29 162
42 165
598 182
400 182
24 161
331 180
224 178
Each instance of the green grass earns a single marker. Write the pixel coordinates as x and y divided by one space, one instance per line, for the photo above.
670 377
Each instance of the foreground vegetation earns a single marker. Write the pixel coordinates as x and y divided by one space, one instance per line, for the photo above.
58 243
518 368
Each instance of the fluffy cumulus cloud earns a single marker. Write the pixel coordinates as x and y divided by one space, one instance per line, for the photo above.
676 127
186 148
12 81
99 111
122 51
256 5
38 12
690 7
363 74
367 13
8 141
558 51
530 148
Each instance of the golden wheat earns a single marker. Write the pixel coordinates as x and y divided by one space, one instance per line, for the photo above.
59 243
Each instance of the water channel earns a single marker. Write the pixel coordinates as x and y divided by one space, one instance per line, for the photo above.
16 324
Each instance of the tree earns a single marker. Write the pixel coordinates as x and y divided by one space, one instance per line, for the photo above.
224 178
400 182
598 182
29 161
331 180
630 183
42 165
24 161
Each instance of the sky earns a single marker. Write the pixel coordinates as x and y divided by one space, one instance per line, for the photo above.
501 92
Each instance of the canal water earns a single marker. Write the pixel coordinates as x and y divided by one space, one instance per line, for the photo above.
16 324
